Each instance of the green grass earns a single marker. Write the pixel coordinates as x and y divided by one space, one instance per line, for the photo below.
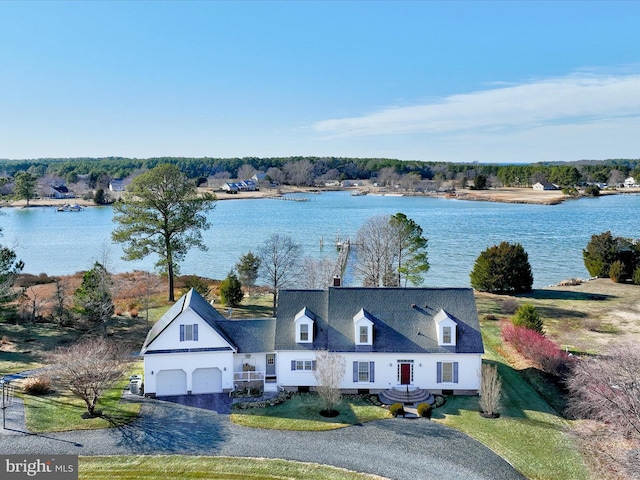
61 411
214 468
530 434
302 412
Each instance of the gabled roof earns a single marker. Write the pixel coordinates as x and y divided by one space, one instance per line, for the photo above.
403 319
194 301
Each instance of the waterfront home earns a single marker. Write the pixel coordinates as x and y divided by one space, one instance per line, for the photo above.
407 339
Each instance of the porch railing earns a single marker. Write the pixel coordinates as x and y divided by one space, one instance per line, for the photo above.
249 376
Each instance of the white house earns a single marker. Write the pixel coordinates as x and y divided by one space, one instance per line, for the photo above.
630 182
544 186
391 338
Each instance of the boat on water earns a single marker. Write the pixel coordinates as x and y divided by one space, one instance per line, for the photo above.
70 208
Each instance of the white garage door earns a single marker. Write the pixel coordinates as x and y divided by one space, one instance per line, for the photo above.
171 382
207 380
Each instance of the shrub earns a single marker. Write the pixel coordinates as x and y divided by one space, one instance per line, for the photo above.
537 348
396 409
592 190
491 390
424 410
636 276
134 313
527 316
40 385
616 271
509 306
440 401
231 292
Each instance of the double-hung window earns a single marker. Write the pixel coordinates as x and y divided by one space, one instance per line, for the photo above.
447 372
304 332
363 372
189 332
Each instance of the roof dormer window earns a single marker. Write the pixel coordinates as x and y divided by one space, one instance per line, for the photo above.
304 326
446 327
363 328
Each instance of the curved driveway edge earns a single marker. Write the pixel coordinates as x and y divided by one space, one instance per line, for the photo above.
395 448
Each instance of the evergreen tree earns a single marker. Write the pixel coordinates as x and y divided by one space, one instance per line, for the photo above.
93 298
24 186
502 268
162 213
248 268
528 317
411 250
231 292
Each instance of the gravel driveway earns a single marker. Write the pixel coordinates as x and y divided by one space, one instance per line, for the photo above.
396 448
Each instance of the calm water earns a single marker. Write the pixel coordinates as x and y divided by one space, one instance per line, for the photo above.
66 242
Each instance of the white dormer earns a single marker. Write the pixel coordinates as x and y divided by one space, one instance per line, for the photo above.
304 326
363 326
446 327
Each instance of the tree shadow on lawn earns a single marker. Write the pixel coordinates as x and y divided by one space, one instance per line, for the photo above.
544 294
518 398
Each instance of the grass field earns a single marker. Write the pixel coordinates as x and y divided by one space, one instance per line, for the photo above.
212 468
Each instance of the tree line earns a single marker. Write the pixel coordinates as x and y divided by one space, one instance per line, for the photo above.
96 173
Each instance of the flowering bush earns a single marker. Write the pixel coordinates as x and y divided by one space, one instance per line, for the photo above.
537 348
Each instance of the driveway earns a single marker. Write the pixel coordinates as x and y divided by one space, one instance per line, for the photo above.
396 448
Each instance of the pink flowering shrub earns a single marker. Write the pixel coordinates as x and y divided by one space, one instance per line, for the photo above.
537 348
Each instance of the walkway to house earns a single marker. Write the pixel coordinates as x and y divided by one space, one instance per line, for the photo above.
395 448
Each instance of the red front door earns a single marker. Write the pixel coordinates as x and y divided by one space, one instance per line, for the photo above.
405 373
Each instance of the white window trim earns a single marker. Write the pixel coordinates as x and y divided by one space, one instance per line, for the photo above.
360 320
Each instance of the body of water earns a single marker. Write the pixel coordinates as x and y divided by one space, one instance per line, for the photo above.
60 243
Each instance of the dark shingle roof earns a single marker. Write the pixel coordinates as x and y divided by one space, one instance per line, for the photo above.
403 319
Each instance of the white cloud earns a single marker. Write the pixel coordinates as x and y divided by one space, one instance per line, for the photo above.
577 100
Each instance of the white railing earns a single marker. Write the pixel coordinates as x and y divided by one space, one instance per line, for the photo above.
248 376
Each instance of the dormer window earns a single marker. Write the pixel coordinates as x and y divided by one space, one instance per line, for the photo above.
363 328
304 326
446 327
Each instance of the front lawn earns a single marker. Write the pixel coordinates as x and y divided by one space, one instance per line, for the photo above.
61 411
302 412
214 468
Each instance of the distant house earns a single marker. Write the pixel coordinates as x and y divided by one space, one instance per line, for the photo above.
545 186
630 182
259 177
230 187
116 185
58 191
424 340
241 186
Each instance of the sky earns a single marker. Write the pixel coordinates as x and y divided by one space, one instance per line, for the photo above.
476 81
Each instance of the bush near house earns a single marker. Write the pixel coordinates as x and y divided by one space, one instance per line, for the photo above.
424 410
396 409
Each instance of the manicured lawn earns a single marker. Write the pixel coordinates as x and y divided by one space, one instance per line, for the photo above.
302 412
214 468
530 434
61 411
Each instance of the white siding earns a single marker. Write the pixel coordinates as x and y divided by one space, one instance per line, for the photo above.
170 337
188 362
386 370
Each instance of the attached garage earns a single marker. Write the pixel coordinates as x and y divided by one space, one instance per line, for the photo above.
171 382
206 380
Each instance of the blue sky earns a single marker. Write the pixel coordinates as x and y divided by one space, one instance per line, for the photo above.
421 80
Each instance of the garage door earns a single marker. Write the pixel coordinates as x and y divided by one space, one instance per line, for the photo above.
207 380
171 382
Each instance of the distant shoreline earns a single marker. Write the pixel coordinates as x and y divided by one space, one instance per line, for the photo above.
500 195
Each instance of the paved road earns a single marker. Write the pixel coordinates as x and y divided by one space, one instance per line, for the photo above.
396 448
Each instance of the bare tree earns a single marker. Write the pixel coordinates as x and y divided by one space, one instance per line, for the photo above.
279 263
300 172
607 389
317 273
245 172
329 372
60 309
374 252
89 368
490 390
